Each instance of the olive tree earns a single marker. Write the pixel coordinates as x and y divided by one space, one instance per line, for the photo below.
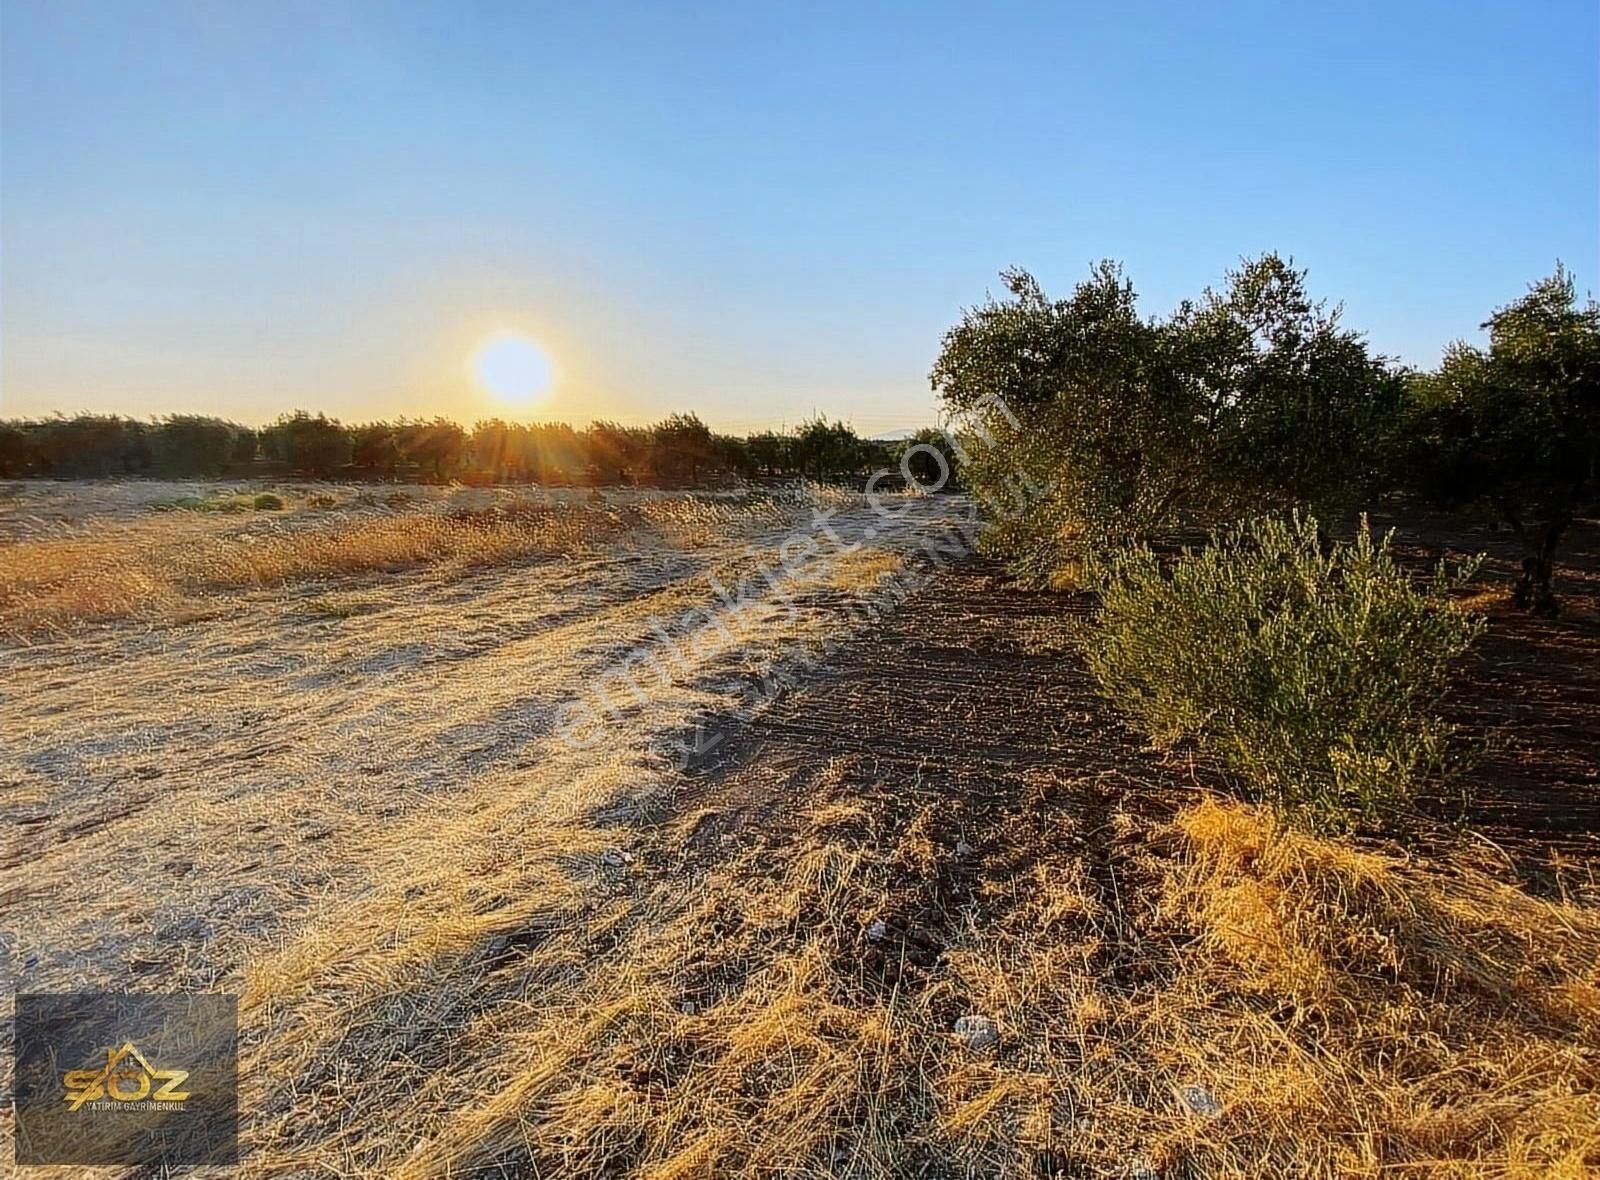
1117 426
1078 435
1296 410
1517 425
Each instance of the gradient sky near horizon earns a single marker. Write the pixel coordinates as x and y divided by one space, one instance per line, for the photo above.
756 211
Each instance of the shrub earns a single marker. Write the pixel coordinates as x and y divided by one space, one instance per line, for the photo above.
1313 672
226 503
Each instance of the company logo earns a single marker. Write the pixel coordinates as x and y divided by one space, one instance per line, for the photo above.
116 1078
126 1077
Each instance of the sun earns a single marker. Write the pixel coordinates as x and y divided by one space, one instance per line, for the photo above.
512 368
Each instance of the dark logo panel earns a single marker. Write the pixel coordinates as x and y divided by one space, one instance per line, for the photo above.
103 1078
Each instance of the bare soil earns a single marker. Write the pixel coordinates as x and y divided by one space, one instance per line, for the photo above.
961 713
1535 683
974 687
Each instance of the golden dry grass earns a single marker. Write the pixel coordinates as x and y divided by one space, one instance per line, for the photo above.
1442 1021
466 949
720 1033
863 570
179 564
1350 1013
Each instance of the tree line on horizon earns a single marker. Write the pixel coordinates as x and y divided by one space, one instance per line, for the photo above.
679 450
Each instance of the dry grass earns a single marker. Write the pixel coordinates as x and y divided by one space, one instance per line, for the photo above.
1431 1018
181 564
359 812
1350 1013
55 584
465 949
864 570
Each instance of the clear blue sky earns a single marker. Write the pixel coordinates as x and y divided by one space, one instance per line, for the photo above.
753 210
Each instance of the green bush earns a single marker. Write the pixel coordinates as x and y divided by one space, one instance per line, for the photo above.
267 502
215 502
1312 671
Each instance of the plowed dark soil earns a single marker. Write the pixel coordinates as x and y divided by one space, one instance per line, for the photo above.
1535 683
972 691
957 715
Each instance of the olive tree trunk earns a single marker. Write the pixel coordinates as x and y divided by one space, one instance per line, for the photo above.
1533 590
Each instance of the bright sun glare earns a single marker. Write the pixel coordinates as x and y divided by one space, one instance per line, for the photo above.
513 368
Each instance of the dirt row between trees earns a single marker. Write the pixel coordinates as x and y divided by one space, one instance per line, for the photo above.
960 715
973 690
1534 684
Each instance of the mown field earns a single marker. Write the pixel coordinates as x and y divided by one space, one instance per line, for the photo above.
771 834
